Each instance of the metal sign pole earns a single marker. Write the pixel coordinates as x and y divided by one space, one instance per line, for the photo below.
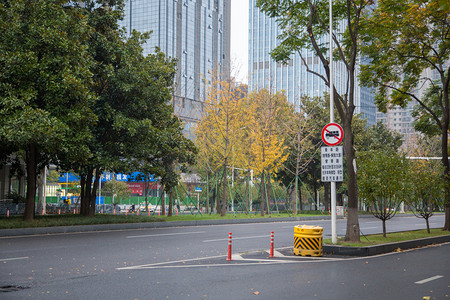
333 183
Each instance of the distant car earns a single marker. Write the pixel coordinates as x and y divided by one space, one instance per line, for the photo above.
151 208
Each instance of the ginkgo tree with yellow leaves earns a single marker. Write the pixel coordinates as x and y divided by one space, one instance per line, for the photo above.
220 134
265 138
244 133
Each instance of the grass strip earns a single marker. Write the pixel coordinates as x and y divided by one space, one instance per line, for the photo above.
378 239
72 220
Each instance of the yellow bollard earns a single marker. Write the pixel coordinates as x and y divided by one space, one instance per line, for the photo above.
308 240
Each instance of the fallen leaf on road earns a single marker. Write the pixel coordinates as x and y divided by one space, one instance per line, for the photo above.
256 293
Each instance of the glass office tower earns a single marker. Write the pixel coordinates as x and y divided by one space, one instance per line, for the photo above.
293 77
197 33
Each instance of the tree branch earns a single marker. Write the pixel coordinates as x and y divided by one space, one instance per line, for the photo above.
435 117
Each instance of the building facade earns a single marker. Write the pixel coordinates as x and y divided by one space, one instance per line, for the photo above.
293 77
197 33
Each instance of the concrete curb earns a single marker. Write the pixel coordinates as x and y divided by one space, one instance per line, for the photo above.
384 248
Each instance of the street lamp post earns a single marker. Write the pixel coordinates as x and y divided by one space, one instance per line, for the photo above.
333 183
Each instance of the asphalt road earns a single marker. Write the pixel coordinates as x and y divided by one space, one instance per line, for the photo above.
190 263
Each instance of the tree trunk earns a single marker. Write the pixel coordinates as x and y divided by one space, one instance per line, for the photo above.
41 183
445 163
300 203
316 198
163 201
207 192
292 196
31 160
247 193
269 194
146 188
224 191
428 225
444 149
87 195
94 193
169 214
296 192
82 193
326 196
217 199
263 194
384 227
353 232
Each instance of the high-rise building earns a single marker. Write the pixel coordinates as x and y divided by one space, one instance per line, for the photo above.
401 120
293 77
197 33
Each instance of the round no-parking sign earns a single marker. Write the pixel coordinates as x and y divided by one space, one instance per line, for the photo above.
332 134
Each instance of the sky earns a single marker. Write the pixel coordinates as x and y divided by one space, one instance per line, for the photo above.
239 39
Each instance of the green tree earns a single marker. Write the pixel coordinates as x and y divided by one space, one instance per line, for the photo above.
304 24
53 176
426 189
407 42
378 137
176 154
383 182
135 118
118 190
44 102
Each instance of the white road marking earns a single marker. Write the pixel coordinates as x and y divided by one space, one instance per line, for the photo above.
162 234
428 279
238 238
14 258
236 257
209 266
168 262
278 254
